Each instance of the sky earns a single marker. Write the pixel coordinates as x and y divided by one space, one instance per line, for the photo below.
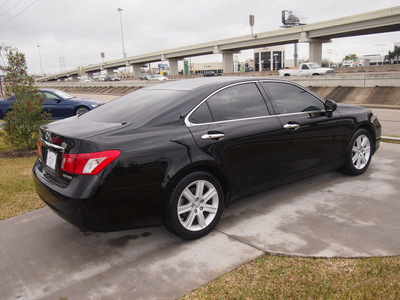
58 35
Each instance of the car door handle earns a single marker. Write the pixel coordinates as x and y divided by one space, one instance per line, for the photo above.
212 136
291 126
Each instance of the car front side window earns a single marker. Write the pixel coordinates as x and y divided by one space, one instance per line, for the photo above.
237 102
50 97
288 98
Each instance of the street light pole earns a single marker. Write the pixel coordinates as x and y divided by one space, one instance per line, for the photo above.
40 59
329 52
122 31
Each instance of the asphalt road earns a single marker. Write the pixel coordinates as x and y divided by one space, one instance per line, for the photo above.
390 121
329 215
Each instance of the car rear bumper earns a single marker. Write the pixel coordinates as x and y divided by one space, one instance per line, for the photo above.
105 209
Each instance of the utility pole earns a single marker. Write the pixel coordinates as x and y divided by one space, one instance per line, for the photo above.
40 59
122 32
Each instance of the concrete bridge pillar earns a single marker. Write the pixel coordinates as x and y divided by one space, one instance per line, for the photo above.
90 74
109 71
173 67
227 59
315 52
314 47
136 70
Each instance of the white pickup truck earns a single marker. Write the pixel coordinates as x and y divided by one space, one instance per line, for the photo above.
306 69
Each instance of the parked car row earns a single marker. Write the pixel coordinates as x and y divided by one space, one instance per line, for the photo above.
109 78
143 76
157 77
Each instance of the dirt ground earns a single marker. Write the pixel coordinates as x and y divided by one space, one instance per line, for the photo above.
370 95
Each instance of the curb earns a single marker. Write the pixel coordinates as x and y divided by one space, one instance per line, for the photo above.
379 106
390 139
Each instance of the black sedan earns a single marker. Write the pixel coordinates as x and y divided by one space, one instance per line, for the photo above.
177 153
59 103
210 74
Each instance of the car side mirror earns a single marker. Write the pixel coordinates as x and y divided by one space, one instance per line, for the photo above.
330 106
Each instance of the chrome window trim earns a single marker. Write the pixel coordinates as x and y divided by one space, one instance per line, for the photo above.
190 124
301 112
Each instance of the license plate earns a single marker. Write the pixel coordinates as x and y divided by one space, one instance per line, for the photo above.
51 159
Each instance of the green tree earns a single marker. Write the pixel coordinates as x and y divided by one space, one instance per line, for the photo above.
351 57
393 55
21 124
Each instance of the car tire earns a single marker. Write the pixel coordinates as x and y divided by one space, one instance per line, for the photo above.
359 153
81 110
194 206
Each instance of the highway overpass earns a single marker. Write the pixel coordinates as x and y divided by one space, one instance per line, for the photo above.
380 21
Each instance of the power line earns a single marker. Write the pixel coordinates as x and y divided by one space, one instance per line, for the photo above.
19 12
11 8
4 3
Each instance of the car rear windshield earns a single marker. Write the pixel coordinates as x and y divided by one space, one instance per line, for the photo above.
137 107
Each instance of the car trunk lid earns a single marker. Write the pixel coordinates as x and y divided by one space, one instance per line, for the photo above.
57 141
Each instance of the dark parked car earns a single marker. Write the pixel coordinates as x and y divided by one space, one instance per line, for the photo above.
112 78
179 152
59 103
210 74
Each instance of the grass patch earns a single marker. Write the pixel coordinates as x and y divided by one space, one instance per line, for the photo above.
276 277
17 192
3 146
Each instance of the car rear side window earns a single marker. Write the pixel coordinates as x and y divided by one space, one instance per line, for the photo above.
289 98
237 102
201 115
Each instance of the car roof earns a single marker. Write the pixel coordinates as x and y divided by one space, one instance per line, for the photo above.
49 90
197 83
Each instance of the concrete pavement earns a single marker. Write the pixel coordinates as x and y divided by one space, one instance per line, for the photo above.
329 215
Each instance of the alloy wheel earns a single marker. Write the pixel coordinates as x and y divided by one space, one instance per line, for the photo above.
198 205
361 152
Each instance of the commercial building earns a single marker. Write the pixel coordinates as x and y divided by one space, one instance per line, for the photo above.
269 58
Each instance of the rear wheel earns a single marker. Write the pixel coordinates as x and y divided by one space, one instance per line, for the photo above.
359 153
194 206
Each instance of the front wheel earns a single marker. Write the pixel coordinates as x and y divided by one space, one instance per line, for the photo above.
194 206
359 153
81 110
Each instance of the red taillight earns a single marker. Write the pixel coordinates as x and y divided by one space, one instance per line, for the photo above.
88 163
